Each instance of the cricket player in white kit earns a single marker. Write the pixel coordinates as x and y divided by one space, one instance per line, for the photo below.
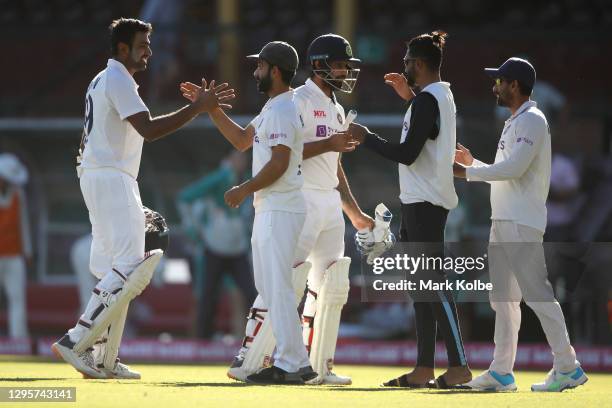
280 210
520 179
116 123
327 193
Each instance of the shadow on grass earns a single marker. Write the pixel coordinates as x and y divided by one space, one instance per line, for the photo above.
29 379
199 384
332 388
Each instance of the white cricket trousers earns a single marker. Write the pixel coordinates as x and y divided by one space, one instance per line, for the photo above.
13 279
117 221
274 240
518 270
322 239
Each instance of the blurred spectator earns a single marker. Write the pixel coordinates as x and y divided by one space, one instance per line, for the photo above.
225 234
15 241
565 199
79 258
165 16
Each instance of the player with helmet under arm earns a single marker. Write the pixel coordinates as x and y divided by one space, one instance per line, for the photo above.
117 122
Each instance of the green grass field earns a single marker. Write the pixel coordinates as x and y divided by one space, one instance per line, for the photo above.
193 386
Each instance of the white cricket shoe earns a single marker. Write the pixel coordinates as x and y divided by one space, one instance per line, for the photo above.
556 381
492 381
83 362
330 378
236 372
122 371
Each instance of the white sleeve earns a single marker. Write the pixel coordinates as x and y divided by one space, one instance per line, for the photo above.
124 97
478 163
281 129
531 130
475 163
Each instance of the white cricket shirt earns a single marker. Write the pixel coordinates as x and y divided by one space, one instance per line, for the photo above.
279 124
323 117
520 176
110 140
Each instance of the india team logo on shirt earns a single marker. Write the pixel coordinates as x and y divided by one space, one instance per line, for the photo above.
321 130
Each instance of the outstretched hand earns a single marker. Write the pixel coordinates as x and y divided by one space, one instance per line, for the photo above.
358 132
463 155
342 142
400 84
207 98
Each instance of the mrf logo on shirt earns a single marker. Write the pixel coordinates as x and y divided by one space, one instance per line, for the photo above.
319 114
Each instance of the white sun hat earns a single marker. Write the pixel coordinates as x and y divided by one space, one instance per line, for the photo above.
12 170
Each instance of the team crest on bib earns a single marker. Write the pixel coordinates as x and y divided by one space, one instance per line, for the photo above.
340 118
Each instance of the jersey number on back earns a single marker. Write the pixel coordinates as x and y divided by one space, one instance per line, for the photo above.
88 114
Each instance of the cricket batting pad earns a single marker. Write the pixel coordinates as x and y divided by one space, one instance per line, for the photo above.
332 296
115 333
135 283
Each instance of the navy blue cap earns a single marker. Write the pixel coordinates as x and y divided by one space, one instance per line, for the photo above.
515 69
278 53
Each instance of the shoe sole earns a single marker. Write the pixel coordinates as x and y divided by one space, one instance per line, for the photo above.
566 387
503 388
328 382
55 348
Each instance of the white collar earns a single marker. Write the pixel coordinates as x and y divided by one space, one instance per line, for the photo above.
442 83
280 98
119 65
526 105
315 88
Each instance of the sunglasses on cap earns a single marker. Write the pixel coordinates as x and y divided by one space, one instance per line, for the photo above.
498 81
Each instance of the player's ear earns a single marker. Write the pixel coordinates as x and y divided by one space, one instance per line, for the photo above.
514 86
123 49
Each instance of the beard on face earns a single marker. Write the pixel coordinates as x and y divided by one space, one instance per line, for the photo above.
410 77
264 84
138 63
337 81
500 100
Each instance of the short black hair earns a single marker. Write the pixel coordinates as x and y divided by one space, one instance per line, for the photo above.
428 47
525 90
124 29
286 76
